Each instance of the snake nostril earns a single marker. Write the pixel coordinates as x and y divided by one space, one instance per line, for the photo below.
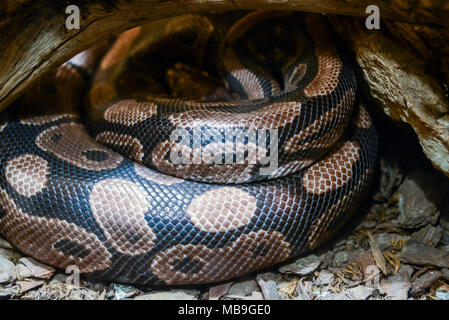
95 155
71 248
187 265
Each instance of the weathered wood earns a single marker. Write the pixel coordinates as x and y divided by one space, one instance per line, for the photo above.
33 37
406 67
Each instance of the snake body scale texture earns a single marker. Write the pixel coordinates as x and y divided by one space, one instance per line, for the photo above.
66 199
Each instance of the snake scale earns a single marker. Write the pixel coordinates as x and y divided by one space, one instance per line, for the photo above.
87 175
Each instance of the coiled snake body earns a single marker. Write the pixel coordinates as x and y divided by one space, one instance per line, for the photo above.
66 199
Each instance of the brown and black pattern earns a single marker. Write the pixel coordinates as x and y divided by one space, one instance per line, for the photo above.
69 196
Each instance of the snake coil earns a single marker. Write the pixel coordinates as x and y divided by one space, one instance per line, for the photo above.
69 196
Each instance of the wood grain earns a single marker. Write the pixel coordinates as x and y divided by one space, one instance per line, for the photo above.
33 37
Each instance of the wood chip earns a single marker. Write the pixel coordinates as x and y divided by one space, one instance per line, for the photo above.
253 296
377 254
418 253
267 284
290 289
424 282
216 292
28 267
28 285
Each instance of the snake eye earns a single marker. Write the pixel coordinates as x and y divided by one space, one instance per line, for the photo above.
95 155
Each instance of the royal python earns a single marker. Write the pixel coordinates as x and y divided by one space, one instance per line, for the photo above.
67 198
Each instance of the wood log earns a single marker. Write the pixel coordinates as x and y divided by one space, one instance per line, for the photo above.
405 68
34 39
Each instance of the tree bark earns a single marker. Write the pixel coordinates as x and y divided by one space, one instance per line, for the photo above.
34 39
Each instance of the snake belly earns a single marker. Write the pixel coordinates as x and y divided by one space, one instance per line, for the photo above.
98 191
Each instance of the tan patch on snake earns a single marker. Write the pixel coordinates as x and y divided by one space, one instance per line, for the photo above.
247 79
221 210
46 119
292 166
249 252
337 115
334 171
155 176
272 116
27 174
119 49
329 63
201 104
131 145
53 241
216 173
119 207
130 112
71 143
363 119
206 163
325 226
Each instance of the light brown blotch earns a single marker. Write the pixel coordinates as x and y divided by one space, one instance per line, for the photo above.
27 174
272 116
247 79
363 119
39 236
339 115
221 210
70 142
119 207
334 171
329 62
40 120
253 251
131 145
129 112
